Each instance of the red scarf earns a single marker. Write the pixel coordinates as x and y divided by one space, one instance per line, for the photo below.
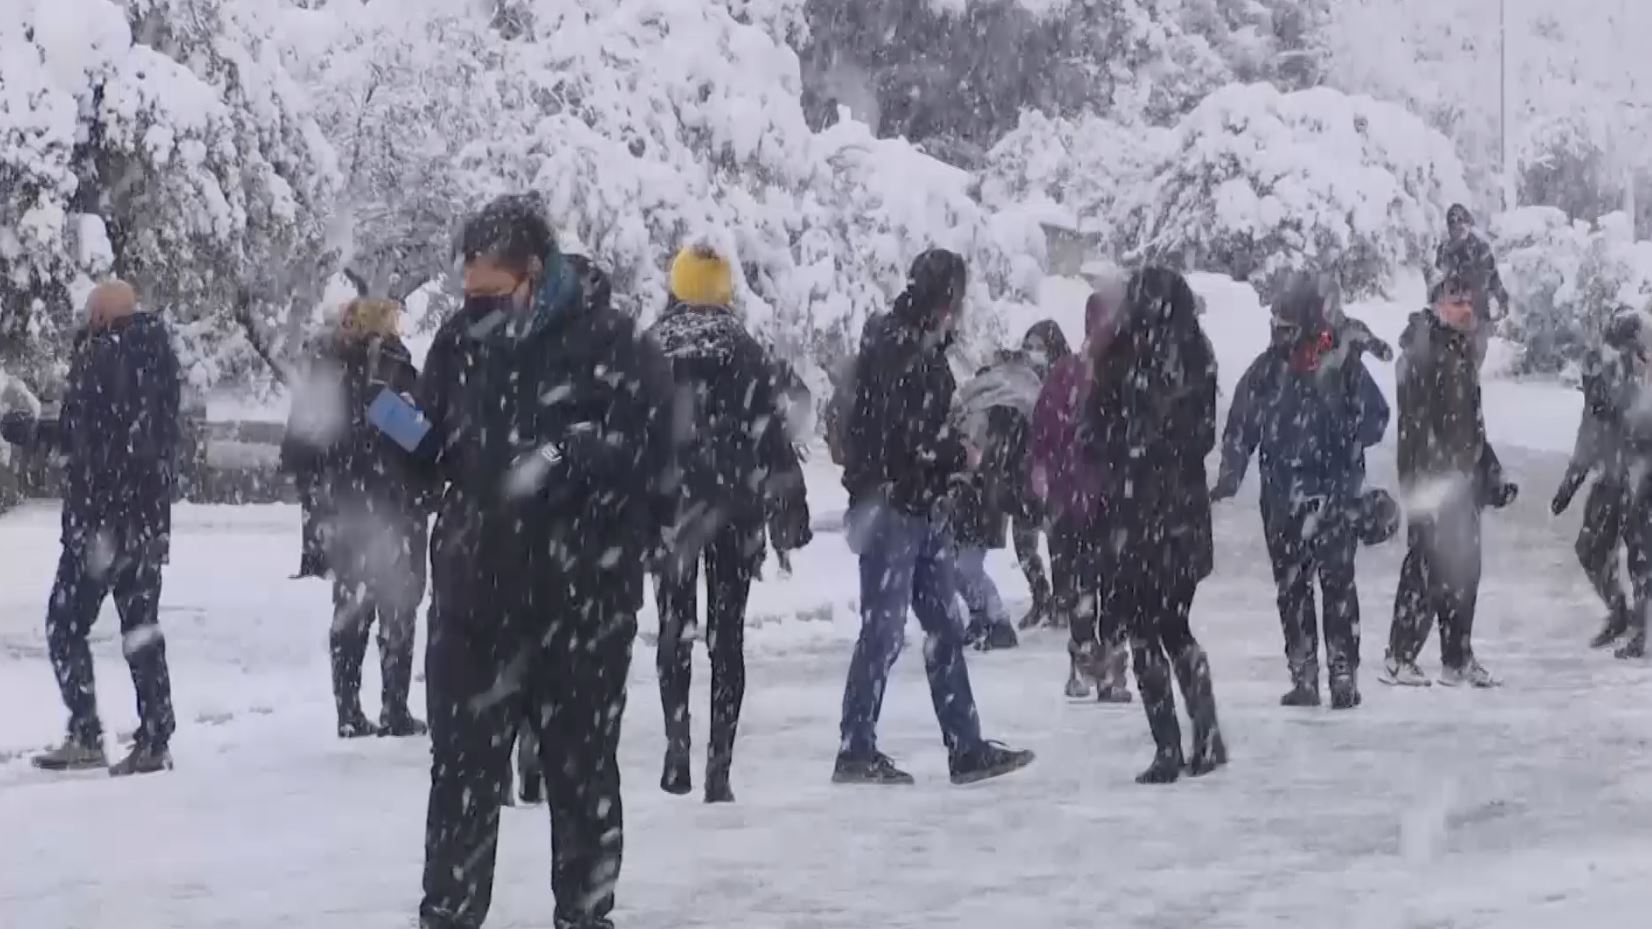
1306 355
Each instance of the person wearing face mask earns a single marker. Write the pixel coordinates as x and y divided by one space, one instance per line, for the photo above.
549 437
902 455
994 411
1448 473
1309 409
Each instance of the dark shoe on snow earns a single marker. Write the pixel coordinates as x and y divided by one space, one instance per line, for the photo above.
143 759
1114 693
675 778
1344 692
1473 674
877 770
997 637
1615 627
1397 673
1634 648
355 725
1078 686
532 792
1036 616
73 755
719 791
1165 769
986 761
401 724
1302 695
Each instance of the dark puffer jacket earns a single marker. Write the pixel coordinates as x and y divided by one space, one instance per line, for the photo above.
1442 429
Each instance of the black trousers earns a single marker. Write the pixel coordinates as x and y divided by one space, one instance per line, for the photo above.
1439 583
1077 566
378 576
1309 540
1024 533
483 679
1149 590
1598 539
731 559
85 576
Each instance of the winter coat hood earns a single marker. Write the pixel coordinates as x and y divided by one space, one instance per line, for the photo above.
1011 382
1046 336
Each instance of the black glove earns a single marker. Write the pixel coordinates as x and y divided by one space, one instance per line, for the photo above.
1227 487
1503 494
1562 500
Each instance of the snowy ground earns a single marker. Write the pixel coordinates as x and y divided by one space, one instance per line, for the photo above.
1529 807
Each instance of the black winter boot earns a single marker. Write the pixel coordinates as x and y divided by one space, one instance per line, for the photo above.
1193 674
1159 702
396 672
1304 690
1344 689
1616 625
676 778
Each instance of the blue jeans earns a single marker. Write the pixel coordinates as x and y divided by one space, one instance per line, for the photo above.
906 560
986 607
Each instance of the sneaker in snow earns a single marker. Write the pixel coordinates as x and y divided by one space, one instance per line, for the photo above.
1396 673
987 760
73 755
1473 674
877 769
1613 629
142 760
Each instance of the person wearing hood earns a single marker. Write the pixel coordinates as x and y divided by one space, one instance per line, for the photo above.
546 426
739 472
118 433
1067 483
1611 374
1308 408
1152 416
902 456
1448 473
995 411
373 522
1466 256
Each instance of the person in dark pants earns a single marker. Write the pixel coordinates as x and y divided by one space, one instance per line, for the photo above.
118 432
373 522
1449 472
1467 257
738 472
1152 422
1612 375
549 435
1067 484
1309 408
902 455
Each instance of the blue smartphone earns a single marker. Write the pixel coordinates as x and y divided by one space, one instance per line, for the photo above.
392 415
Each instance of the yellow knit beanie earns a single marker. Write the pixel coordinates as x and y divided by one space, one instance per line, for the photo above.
701 277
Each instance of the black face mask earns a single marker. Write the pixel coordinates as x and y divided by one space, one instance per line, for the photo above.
488 312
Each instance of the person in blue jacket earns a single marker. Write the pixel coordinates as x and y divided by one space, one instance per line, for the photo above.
1309 409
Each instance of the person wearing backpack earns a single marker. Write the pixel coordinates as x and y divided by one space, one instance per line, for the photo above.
738 471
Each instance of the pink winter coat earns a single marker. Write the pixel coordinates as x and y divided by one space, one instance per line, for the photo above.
1062 475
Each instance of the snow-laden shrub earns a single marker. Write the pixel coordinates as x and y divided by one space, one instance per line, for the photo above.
1565 279
1259 183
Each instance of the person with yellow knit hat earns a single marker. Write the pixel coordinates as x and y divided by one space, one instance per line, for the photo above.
738 472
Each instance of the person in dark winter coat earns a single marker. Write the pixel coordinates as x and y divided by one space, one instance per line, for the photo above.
1309 408
549 435
1466 256
738 473
1612 373
1152 422
902 456
118 433
1047 346
373 523
1067 482
1448 472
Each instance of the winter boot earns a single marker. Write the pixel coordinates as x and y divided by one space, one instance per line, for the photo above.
1039 613
1193 674
1616 625
75 754
720 758
1634 647
997 637
530 777
396 670
986 761
676 778
876 769
1402 673
399 722
143 759
1112 686
717 784
353 723
1159 702
1078 681
1344 689
1304 690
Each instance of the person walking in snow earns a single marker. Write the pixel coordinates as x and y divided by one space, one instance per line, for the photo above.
1309 409
1152 422
1046 344
549 437
1612 374
902 456
1448 472
738 472
118 433
1068 485
1466 256
373 523
995 411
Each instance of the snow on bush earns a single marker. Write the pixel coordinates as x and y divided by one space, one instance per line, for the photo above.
1260 183
1565 279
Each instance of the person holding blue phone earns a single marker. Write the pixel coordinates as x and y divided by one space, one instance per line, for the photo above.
550 440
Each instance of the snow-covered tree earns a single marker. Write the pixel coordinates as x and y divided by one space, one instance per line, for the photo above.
1259 183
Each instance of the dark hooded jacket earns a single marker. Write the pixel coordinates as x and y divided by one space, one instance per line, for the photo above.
1442 429
734 453
1470 259
550 442
1152 422
119 432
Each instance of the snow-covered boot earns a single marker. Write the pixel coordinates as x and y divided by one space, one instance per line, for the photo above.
1079 658
1344 689
676 777
1111 683
354 724
998 636
1398 673
1193 673
143 759
1159 703
1633 647
75 754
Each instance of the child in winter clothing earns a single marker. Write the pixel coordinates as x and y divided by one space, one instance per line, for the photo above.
1312 409
1448 472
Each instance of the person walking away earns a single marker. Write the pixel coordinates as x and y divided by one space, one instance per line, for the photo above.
1466 256
1153 421
374 533
902 455
1046 345
738 473
1612 373
1068 485
549 436
118 433
1308 408
1448 473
